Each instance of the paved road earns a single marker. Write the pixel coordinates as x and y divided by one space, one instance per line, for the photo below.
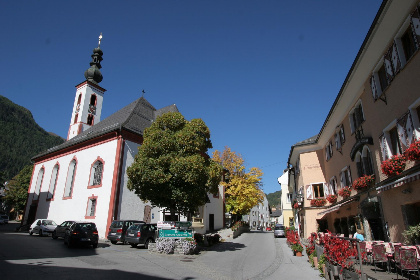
254 255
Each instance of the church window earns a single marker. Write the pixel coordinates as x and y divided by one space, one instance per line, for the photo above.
79 100
90 119
39 182
68 191
91 207
75 118
92 99
53 182
96 173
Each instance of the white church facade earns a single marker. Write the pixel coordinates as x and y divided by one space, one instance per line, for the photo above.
85 177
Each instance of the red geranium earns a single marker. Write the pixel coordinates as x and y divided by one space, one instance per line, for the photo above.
363 182
344 192
394 165
318 202
332 198
413 152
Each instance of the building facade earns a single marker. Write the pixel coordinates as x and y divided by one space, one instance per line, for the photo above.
286 200
376 116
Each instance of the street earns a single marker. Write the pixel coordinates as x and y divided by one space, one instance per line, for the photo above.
253 255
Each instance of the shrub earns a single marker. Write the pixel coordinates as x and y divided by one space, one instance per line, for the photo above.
198 237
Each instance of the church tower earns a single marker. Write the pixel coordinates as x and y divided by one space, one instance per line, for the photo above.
87 106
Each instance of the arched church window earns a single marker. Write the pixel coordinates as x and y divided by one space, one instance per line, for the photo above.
53 182
75 118
79 100
93 99
70 179
39 181
90 119
96 173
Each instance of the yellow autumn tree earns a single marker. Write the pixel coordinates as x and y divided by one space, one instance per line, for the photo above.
242 189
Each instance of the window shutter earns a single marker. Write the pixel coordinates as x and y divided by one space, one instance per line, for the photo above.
388 65
342 135
415 21
326 190
309 192
337 141
342 179
382 141
405 130
373 87
396 62
349 176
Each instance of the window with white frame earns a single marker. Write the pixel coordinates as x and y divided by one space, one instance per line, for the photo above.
297 166
345 177
333 186
96 173
364 162
289 198
382 75
356 117
414 117
328 151
39 181
91 208
405 42
398 136
53 182
315 191
339 137
70 179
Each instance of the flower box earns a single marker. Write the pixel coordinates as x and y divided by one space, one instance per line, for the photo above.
364 182
318 202
413 152
394 165
344 192
332 198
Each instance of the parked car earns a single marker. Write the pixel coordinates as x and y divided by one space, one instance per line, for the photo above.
142 234
60 230
5 218
2 222
42 226
81 233
279 231
118 230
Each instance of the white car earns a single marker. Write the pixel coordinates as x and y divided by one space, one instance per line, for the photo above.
42 227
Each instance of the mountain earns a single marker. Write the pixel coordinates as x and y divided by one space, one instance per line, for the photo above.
21 138
274 198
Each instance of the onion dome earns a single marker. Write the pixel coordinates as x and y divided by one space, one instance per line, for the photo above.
93 74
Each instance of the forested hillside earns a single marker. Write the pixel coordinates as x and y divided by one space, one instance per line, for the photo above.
274 199
21 138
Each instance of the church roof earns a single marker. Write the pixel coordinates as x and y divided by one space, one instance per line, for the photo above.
135 117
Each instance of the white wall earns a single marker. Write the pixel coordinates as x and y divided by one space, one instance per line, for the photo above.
59 208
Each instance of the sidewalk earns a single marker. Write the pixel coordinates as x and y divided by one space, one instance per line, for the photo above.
292 267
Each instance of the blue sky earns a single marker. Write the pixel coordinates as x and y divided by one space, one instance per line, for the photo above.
261 74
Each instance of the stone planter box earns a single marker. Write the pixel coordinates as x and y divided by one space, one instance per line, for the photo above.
241 230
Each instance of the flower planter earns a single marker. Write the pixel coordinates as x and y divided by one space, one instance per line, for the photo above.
315 259
335 270
298 254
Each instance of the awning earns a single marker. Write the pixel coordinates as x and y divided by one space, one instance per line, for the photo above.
336 207
401 181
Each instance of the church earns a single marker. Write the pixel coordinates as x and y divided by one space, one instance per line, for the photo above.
85 177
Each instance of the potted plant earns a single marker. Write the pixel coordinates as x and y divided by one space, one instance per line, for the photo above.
412 235
394 165
413 151
296 205
297 248
344 192
321 264
332 198
363 182
318 202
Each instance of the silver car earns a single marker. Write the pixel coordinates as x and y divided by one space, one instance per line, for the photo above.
279 231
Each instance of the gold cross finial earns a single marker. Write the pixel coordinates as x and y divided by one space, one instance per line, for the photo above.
100 38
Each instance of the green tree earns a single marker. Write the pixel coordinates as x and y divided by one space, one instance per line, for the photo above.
242 189
17 190
172 168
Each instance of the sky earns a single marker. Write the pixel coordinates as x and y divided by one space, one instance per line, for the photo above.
262 75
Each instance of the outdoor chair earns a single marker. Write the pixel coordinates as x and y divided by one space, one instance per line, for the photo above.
379 255
408 261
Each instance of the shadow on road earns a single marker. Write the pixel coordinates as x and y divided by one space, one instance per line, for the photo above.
225 246
49 271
